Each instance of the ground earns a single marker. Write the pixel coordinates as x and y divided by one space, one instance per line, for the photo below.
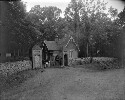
66 84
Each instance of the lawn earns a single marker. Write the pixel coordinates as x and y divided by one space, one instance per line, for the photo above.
66 84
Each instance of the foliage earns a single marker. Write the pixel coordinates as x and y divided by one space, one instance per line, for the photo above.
21 32
113 12
46 18
121 18
88 22
120 22
93 29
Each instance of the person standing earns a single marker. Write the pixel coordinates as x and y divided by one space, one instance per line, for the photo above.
57 60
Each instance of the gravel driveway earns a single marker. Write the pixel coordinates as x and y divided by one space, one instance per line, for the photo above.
70 84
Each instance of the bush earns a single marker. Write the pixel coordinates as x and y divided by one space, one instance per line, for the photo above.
105 65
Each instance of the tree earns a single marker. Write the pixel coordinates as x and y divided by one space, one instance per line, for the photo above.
85 16
21 32
72 15
48 18
113 12
121 18
120 23
15 13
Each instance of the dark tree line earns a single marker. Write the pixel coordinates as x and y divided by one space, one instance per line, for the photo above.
96 33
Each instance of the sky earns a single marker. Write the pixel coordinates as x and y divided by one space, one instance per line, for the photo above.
62 4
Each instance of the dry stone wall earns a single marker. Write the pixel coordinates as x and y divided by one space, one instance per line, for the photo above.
9 68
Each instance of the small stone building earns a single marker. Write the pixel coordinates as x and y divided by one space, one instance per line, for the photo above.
66 49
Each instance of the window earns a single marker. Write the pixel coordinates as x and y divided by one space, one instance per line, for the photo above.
70 54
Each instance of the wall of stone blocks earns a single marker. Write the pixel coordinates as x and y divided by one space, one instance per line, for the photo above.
9 68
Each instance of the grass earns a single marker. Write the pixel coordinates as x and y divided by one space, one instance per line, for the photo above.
14 80
89 74
74 83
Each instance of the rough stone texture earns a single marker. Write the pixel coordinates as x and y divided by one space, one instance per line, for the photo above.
99 63
9 68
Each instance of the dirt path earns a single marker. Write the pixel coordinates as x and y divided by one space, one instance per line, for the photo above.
71 84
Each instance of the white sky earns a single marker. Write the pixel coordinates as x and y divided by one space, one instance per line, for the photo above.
62 4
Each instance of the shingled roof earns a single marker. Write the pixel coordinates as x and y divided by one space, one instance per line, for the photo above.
51 45
64 42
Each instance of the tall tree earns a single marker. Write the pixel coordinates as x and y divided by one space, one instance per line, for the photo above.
113 12
120 22
21 33
14 14
121 18
46 17
84 15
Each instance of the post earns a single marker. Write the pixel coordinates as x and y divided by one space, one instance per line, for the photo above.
37 57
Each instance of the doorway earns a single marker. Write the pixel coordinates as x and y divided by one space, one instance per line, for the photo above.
65 60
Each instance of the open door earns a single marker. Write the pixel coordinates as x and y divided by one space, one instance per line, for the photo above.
65 60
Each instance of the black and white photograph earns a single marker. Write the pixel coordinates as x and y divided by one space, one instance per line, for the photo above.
62 50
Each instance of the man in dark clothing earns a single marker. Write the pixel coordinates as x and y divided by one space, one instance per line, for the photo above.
57 60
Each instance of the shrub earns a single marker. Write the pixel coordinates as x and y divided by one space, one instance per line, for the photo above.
110 64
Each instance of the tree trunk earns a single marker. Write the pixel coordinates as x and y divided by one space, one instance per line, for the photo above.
91 58
87 49
18 53
14 53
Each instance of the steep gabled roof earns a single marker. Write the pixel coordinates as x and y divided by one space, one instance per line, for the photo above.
51 45
65 41
71 38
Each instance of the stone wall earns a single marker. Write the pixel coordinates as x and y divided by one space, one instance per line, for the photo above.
9 68
99 62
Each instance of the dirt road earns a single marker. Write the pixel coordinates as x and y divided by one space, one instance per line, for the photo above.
70 84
